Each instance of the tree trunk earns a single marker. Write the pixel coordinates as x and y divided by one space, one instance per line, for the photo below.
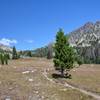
62 71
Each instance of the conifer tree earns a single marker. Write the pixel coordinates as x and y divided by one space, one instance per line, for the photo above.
2 59
64 53
6 59
14 55
29 53
8 56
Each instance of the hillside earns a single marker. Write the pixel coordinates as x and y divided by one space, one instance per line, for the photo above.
5 48
86 40
86 34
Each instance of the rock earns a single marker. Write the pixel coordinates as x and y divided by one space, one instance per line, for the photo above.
10 88
74 70
63 89
8 98
14 67
36 92
30 80
42 97
32 71
26 72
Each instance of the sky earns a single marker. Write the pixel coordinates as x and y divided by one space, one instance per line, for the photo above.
30 24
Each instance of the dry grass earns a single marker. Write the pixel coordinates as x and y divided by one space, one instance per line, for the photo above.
87 77
16 85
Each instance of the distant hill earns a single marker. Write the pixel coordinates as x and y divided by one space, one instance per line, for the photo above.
5 48
43 51
40 52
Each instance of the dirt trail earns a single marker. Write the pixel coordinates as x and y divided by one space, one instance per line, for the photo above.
72 87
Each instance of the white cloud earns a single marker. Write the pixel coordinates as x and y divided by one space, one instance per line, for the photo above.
8 42
29 41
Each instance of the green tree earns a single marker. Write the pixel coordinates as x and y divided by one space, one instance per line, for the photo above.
6 59
29 53
2 59
79 59
8 56
14 55
64 53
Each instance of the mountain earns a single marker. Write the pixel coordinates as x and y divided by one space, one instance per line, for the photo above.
5 48
86 40
85 34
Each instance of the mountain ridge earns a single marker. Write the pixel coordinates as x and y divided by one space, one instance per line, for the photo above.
86 40
85 32
5 48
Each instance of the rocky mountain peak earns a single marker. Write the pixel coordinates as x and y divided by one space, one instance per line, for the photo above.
86 40
97 22
89 24
88 32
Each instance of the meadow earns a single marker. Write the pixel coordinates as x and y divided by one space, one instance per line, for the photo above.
25 79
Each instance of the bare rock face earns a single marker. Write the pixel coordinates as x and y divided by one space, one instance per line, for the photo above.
86 32
87 39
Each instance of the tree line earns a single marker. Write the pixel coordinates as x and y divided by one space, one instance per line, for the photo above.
5 56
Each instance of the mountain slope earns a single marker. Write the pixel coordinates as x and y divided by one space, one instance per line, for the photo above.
86 40
5 48
85 34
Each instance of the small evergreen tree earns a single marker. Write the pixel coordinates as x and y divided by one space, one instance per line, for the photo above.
64 54
79 59
6 59
29 53
14 55
2 59
8 56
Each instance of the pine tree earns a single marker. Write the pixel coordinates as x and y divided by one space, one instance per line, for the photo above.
79 59
14 56
29 53
64 54
8 56
6 59
2 59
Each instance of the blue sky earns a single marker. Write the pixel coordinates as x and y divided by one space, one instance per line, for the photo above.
29 24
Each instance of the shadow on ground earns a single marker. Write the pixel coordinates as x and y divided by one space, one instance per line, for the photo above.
56 75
